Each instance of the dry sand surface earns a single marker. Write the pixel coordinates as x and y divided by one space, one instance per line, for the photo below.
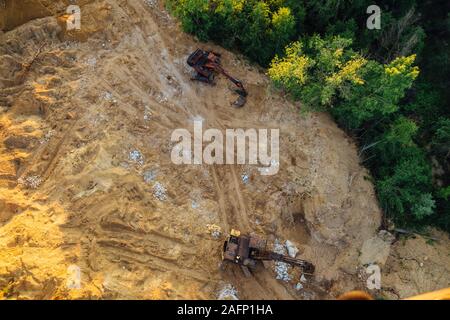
86 179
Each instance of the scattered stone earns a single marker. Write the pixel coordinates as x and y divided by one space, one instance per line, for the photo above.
151 3
195 204
107 96
159 192
298 286
214 230
92 61
47 136
136 156
303 278
282 271
278 247
147 114
291 249
281 268
32 182
150 175
245 178
228 292
161 98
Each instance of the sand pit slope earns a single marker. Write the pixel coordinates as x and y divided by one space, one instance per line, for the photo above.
87 182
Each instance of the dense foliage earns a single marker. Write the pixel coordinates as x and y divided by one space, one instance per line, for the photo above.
386 87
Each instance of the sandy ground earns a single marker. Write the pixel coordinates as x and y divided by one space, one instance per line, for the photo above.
87 182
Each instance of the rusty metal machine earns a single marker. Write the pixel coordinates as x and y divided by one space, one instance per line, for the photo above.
247 250
207 64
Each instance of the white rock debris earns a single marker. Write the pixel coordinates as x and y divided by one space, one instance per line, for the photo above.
281 268
107 96
47 136
228 292
32 182
195 204
245 178
278 247
161 98
151 3
150 175
291 249
136 156
282 271
92 61
159 192
303 278
147 113
214 230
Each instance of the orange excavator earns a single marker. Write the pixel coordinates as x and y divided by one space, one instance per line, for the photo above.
207 64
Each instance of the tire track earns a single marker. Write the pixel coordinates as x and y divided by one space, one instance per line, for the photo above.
221 198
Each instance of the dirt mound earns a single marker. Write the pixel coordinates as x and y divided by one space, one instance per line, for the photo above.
417 265
87 182
15 13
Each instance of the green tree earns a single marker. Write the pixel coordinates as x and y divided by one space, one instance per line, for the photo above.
194 16
290 72
283 29
255 35
326 70
440 142
384 87
403 193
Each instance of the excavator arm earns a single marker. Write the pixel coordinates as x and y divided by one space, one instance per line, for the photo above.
237 83
306 266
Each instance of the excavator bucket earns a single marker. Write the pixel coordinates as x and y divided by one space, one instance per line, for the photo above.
240 102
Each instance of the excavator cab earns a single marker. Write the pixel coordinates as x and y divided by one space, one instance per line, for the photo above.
241 249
